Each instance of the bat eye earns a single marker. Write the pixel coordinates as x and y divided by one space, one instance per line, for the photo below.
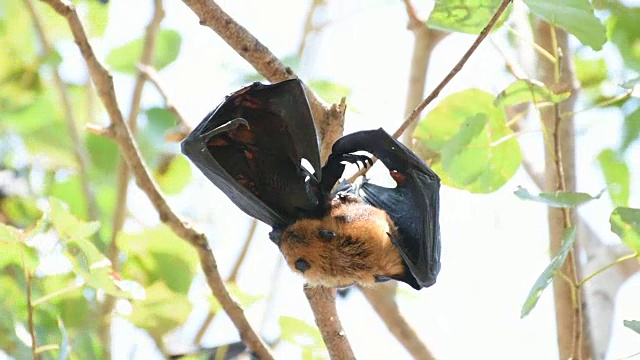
326 234
302 265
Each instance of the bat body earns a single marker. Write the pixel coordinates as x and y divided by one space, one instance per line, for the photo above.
351 244
253 147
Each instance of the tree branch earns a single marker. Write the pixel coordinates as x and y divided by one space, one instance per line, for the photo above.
434 94
122 172
382 296
79 150
424 41
382 299
255 53
323 305
32 328
560 175
104 84
309 28
152 76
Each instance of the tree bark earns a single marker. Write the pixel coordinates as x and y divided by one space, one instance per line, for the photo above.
564 79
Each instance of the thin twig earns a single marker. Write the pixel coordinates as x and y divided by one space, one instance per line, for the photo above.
243 254
323 305
231 279
309 28
434 94
32 329
79 150
152 76
607 267
425 40
104 85
415 113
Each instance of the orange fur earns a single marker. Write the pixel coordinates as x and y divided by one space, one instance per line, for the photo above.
360 249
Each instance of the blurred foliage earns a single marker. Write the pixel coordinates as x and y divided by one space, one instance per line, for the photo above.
45 217
465 16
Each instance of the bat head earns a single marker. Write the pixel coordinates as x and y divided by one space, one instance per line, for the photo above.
348 246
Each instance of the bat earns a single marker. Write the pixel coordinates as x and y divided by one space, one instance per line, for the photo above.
254 145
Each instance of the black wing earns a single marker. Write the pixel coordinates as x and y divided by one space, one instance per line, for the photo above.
251 147
413 204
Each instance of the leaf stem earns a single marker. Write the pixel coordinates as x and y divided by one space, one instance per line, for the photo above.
57 293
606 267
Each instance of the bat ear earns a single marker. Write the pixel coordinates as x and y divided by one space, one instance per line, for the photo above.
276 236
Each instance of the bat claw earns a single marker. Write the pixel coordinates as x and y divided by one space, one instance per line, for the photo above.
357 159
226 127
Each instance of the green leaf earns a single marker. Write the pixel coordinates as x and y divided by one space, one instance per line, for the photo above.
590 72
158 254
69 190
91 255
633 325
616 174
522 91
625 222
10 234
13 253
469 130
151 141
21 210
623 29
631 84
298 332
329 91
242 297
99 276
97 16
175 176
69 226
126 57
103 154
465 16
575 16
568 239
479 160
631 129
161 311
557 199
52 58
70 303
249 75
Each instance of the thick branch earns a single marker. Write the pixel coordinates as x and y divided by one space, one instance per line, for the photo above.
329 120
323 300
104 84
323 305
252 50
123 174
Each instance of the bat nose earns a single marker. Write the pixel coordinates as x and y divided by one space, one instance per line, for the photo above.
302 265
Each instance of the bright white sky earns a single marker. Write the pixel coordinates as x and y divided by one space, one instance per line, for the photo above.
494 246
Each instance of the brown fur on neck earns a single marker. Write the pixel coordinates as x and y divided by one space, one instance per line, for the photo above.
360 250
